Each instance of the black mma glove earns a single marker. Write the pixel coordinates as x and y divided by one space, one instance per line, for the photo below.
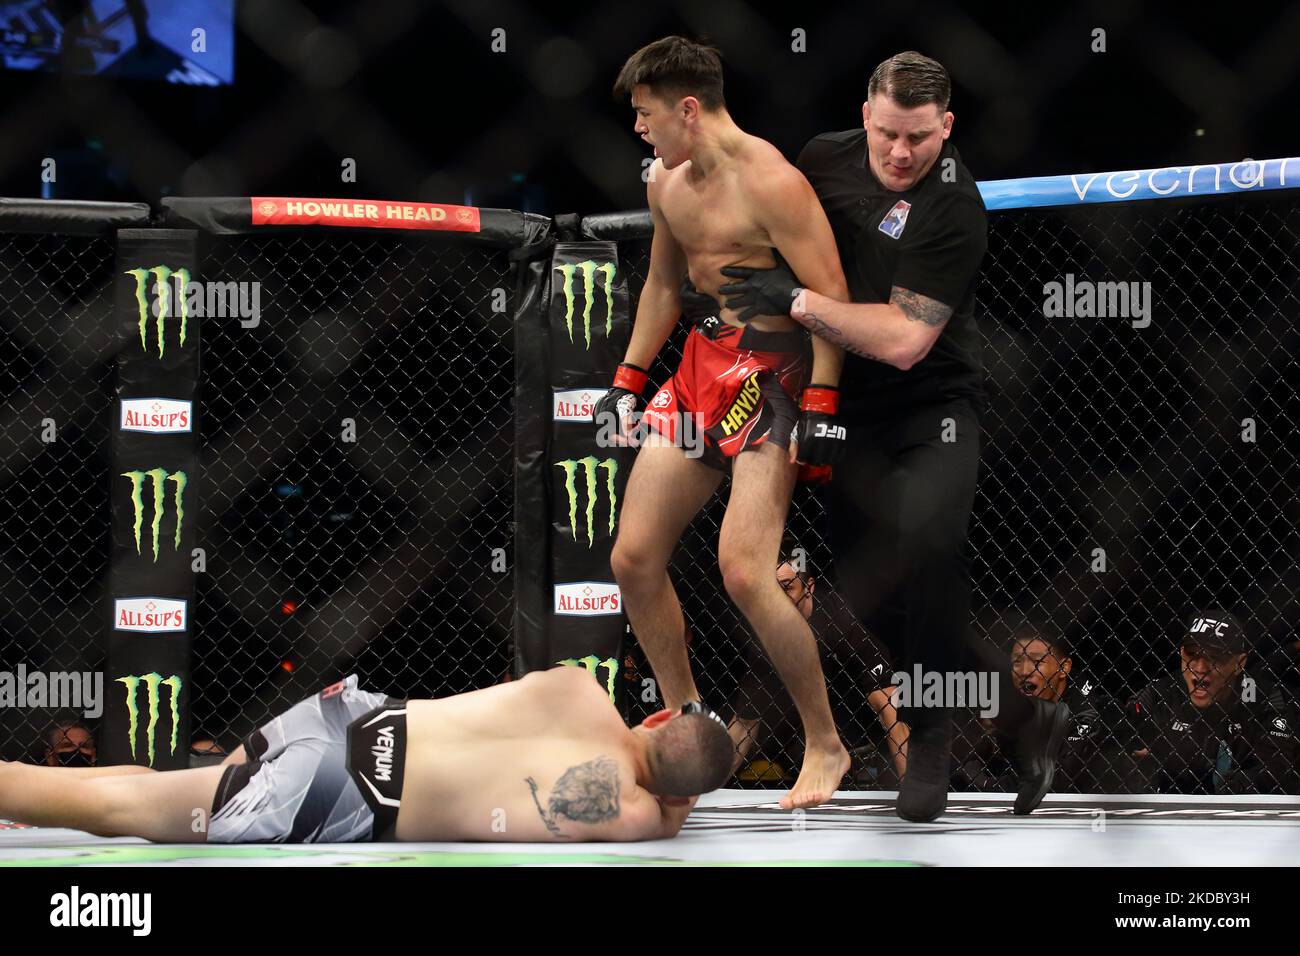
822 441
760 291
622 405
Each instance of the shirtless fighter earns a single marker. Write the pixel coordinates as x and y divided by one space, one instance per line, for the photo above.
545 758
721 197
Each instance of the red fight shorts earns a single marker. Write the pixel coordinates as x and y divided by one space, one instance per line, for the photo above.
739 387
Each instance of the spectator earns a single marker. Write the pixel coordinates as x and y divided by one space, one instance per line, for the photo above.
1041 666
68 744
205 752
1217 726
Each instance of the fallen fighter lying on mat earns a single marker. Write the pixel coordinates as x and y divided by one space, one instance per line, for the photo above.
540 759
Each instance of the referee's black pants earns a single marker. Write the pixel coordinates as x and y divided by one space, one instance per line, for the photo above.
899 510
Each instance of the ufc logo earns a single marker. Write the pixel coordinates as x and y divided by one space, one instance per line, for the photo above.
829 431
1203 624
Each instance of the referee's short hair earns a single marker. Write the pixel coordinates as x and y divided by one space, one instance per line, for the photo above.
912 79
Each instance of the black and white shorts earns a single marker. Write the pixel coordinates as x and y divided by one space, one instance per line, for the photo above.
328 770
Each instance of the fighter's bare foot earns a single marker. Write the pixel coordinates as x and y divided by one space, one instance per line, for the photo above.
819 776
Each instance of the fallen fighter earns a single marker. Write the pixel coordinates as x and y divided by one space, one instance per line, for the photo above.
545 758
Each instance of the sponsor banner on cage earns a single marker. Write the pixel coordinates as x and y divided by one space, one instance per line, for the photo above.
150 615
156 416
146 705
154 506
588 313
1131 185
153 480
158 331
587 490
588 599
362 214
575 404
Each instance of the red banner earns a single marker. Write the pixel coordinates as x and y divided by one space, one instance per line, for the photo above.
362 213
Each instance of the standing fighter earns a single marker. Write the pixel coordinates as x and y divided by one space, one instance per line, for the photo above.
719 197
912 230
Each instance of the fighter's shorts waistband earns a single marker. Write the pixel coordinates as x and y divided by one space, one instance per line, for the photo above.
756 340
376 749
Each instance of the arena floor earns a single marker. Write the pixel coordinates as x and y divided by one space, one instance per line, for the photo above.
745 828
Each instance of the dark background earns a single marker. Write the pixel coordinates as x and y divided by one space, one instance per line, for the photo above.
413 93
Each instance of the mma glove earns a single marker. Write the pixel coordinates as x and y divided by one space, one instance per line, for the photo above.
760 291
623 404
822 440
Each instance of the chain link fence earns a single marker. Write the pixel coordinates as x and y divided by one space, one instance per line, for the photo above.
56 397
356 451
356 487
1130 477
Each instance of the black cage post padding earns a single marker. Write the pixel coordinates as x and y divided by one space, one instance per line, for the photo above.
154 493
587 332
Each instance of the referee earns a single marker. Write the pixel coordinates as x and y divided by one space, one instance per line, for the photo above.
904 434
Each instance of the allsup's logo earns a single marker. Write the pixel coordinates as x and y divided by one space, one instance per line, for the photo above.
158 416
588 599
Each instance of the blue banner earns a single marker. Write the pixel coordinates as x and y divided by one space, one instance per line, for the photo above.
1167 182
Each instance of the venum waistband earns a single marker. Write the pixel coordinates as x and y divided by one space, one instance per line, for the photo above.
376 749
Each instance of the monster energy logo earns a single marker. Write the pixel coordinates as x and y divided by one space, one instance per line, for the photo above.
589 270
590 663
152 682
163 288
158 477
589 466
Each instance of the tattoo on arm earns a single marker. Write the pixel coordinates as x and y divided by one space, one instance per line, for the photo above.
819 326
919 308
586 793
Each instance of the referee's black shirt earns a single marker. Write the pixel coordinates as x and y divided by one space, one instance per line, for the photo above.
937 253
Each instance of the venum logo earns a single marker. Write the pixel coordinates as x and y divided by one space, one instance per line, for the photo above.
591 663
589 466
157 478
149 615
383 754
588 599
589 269
152 683
170 286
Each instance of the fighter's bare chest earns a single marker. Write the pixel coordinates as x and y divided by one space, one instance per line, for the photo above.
712 219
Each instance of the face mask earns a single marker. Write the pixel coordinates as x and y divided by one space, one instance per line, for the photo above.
75 759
